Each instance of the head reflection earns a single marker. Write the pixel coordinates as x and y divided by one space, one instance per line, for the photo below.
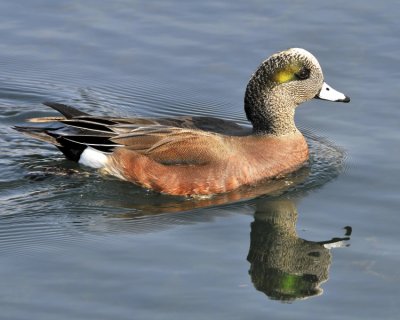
282 265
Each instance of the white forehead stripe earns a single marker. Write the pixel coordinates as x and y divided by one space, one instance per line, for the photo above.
305 53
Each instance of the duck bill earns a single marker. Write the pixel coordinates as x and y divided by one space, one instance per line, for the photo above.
330 94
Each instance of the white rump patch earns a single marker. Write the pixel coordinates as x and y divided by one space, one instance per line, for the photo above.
93 158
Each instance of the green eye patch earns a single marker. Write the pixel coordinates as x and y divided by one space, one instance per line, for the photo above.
290 73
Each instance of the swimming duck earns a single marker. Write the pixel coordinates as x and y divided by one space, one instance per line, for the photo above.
194 156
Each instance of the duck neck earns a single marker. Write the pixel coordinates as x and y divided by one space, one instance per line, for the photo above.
269 112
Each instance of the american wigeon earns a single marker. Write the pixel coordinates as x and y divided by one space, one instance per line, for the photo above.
200 155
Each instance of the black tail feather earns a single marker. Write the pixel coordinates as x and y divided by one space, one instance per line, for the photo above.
67 111
73 134
71 149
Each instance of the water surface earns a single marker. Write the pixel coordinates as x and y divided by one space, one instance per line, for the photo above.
76 244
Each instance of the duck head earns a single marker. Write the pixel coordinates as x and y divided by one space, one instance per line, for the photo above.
281 83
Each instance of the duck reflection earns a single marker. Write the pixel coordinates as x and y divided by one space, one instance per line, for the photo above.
282 265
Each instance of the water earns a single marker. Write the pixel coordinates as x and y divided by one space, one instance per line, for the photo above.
75 244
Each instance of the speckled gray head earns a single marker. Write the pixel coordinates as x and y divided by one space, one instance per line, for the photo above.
282 82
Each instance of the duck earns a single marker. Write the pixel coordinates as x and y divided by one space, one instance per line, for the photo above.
199 156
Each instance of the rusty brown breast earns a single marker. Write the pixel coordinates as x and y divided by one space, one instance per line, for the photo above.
227 163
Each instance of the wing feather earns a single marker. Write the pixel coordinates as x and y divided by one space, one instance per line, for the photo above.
174 141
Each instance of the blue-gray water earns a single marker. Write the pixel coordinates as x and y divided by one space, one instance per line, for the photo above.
77 245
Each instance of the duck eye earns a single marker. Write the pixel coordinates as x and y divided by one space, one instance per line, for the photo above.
303 74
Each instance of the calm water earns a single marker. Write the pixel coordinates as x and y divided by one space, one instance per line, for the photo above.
77 245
